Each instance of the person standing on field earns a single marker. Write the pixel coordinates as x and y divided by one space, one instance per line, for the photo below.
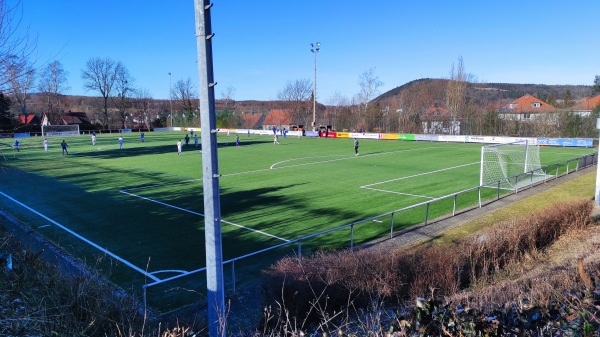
237 140
187 140
46 145
196 140
275 139
179 145
355 147
94 139
120 142
64 147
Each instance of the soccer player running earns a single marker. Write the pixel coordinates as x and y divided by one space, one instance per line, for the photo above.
17 145
179 145
355 147
120 142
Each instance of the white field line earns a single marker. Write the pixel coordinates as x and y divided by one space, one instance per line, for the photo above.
170 271
104 250
202 215
346 158
400 193
413 176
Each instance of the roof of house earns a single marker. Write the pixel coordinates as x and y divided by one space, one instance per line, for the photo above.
250 118
435 111
71 118
29 119
527 103
589 103
278 117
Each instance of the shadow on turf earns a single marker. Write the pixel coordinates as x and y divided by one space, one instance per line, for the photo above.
106 152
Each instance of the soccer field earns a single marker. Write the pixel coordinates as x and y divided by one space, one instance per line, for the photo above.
136 212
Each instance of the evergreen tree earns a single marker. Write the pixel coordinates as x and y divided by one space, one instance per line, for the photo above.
596 86
5 115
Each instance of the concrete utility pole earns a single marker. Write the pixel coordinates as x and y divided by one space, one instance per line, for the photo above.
210 172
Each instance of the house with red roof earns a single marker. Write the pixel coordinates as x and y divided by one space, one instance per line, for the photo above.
279 118
527 107
585 107
29 120
437 120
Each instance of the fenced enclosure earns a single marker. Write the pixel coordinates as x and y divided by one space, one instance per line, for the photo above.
136 213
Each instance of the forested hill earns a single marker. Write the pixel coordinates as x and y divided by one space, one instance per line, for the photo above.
486 92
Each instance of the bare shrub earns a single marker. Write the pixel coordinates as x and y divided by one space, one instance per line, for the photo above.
437 268
331 281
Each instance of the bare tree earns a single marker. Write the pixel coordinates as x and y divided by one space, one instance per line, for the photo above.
369 88
184 93
142 113
455 91
298 93
337 105
227 96
21 76
15 48
123 89
52 83
100 74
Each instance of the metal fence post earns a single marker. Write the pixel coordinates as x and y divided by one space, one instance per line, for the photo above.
427 213
233 275
454 206
299 248
352 237
392 227
498 191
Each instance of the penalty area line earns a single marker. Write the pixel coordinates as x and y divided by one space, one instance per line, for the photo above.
104 250
202 215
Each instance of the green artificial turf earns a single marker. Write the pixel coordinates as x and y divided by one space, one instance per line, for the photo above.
144 203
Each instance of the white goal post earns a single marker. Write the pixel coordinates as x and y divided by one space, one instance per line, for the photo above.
60 130
510 165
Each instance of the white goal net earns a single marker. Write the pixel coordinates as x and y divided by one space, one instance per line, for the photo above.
60 130
511 165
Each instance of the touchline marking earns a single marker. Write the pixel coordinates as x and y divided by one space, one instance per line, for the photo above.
106 251
420 174
202 215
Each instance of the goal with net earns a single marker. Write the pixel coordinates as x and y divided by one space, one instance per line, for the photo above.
510 166
60 130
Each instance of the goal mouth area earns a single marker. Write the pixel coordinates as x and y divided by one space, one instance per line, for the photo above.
517 182
511 166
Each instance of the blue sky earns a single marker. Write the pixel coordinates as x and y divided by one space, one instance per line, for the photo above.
260 45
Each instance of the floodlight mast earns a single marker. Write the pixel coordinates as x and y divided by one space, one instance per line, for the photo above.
171 99
210 172
315 48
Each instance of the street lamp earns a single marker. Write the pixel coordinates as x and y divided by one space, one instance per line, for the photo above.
315 48
170 100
